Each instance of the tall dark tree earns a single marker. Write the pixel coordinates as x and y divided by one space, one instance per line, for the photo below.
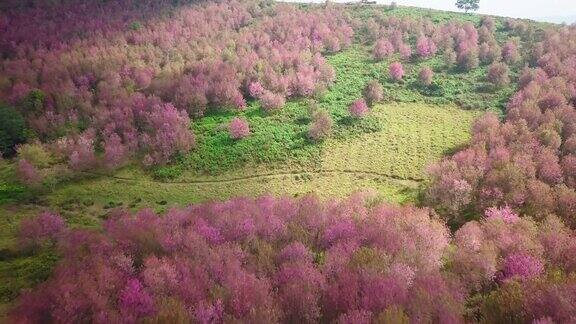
468 5
12 131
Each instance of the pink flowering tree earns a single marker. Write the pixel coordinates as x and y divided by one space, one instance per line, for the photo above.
256 90
522 267
382 49
261 252
321 126
396 71
498 74
405 51
61 100
115 151
510 53
425 76
28 173
373 92
238 128
272 101
358 109
44 228
467 58
425 47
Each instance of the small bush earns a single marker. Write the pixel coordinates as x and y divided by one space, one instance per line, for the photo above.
272 101
425 76
498 74
36 154
321 126
396 71
358 108
373 92
238 128
382 49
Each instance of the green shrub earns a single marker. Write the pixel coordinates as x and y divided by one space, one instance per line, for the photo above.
12 130
34 102
35 154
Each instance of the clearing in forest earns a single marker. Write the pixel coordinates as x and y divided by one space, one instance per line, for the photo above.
391 161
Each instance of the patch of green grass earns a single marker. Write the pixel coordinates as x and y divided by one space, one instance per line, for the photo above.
10 190
24 272
355 67
275 137
412 137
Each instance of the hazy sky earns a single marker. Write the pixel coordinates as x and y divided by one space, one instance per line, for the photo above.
509 8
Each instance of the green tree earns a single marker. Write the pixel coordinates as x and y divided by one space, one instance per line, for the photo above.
468 5
12 130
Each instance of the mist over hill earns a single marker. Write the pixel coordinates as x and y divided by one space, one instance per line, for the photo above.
557 19
559 11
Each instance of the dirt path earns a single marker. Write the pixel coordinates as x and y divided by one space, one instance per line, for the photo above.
407 181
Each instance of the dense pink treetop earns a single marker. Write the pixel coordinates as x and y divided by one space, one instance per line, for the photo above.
92 60
265 266
238 128
382 49
524 162
396 71
284 259
425 47
255 89
498 74
521 266
505 214
134 302
358 108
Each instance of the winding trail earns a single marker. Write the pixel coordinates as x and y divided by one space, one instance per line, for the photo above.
267 175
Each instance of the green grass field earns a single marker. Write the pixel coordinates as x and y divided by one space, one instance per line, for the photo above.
412 136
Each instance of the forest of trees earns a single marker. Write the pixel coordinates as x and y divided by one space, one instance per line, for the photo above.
302 260
492 240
